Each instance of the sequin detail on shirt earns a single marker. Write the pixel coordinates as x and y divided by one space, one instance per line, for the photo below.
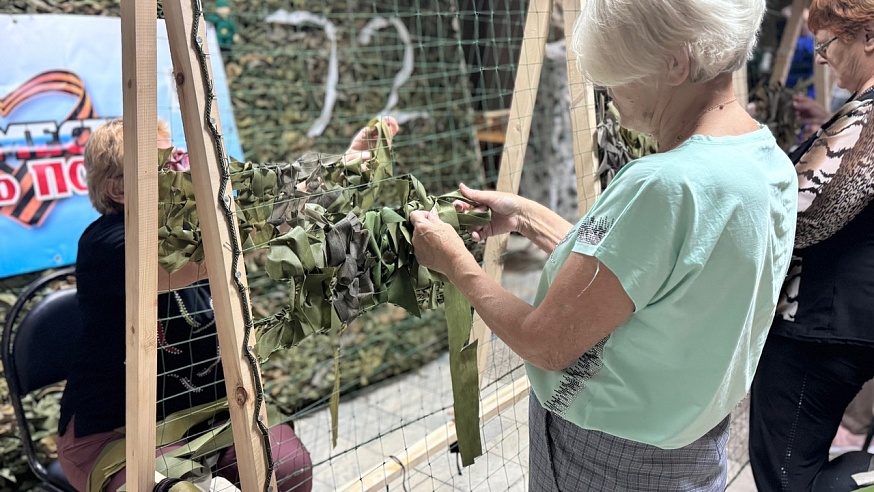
575 378
593 230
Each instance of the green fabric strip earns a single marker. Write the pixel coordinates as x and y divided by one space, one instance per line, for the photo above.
464 373
184 487
182 460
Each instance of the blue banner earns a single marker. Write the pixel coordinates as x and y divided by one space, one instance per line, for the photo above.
63 80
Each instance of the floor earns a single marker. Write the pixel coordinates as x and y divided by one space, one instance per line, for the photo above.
389 423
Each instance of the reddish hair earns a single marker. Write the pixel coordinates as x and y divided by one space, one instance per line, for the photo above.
845 18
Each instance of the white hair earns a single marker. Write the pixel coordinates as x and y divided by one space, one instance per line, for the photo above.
622 41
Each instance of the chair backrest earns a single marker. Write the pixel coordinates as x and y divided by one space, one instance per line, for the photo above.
41 349
36 352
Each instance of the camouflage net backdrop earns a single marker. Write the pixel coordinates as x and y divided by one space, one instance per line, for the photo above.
286 62
283 70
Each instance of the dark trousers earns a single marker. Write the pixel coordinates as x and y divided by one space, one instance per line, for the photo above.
798 396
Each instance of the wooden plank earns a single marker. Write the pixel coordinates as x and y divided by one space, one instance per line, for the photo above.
822 82
583 120
217 241
783 58
491 137
140 109
741 90
515 144
379 477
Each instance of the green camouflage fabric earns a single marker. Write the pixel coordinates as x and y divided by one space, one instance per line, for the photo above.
337 232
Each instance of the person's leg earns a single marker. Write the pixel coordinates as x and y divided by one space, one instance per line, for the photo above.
566 457
859 415
78 455
120 478
541 472
799 394
293 466
857 422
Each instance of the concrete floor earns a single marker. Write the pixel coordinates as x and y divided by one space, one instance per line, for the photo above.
390 421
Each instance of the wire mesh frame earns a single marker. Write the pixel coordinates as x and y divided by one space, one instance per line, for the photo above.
520 118
523 108
140 114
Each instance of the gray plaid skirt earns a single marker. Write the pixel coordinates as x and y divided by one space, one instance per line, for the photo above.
567 458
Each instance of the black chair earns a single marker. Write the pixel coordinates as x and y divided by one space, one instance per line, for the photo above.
36 354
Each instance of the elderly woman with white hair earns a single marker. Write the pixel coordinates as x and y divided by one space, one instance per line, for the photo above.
653 309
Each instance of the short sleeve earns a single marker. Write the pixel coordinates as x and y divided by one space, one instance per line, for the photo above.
638 229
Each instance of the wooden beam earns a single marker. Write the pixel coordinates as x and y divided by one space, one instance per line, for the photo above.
783 58
140 109
583 119
822 82
240 379
741 90
436 441
515 144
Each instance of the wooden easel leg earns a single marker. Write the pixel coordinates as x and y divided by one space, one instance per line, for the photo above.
140 100
227 274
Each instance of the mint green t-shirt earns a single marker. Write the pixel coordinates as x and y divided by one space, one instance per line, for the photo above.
700 238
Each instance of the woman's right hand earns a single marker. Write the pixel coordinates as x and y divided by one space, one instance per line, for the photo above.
507 211
808 111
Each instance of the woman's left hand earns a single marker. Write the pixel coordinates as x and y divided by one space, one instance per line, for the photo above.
435 243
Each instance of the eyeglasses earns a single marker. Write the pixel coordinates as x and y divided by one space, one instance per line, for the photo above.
821 49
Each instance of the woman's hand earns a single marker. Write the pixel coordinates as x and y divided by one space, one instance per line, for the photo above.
360 146
808 111
435 243
507 211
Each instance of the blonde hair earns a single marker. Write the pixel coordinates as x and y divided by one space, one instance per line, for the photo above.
104 165
623 41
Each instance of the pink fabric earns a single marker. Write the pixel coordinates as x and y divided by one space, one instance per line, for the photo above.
293 466
78 455
178 161
292 460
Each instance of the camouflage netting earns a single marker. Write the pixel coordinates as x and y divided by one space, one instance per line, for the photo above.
278 74
278 77
433 105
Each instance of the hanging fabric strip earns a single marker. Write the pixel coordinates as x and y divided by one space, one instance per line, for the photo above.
464 373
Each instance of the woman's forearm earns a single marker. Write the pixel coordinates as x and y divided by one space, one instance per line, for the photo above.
543 227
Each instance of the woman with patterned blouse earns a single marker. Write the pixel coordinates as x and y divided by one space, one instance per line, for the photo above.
821 347
653 308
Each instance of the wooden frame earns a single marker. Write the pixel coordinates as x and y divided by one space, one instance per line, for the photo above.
509 175
786 50
140 104
140 96
822 80
139 73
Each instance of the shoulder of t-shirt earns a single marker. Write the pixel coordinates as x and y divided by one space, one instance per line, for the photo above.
658 171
